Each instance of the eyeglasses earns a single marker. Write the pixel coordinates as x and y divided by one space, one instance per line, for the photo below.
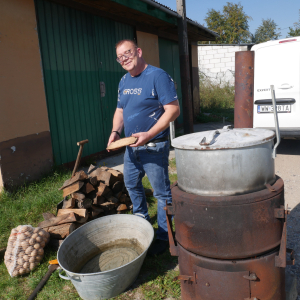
127 54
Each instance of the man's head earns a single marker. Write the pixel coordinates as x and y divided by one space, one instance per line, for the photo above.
130 57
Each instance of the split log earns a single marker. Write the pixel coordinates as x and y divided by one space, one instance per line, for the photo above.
103 189
107 206
122 207
98 200
105 177
87 188
78 176
118 195
81 212
69 203
85 203
91 169
116 175
96 211
72 188
48 215
93 180
122 199
78 196
117 187
112 199
61 231
67 218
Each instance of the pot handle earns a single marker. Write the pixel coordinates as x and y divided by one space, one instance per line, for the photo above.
276 121
171 234
209 138
62 276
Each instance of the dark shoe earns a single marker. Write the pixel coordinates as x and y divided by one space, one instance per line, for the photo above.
158 247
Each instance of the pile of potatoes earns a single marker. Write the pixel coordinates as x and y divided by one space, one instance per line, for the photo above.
25 249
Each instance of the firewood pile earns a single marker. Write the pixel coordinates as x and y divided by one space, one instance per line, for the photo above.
88 196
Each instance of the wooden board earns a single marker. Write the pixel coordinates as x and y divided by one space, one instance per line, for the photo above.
122 143
81 212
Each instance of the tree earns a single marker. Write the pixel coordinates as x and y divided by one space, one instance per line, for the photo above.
266 31
231 24
296 30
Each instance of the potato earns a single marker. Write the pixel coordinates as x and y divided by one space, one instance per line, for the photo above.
29 250
19 228
40 251
28 233
47 234
25 228
20 261
32 266
34 236
15 273
25 245
22 271
39 239
14 231
32 259
26 265
25 257
36 246
22 237
33 253
21 253
32 241
37 229
42 244
38 258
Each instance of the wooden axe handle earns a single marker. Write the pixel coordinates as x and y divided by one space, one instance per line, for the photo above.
82 142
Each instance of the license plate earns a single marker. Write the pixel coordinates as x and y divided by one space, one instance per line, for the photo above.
281 108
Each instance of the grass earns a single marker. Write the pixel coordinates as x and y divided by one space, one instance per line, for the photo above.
26 205
217 101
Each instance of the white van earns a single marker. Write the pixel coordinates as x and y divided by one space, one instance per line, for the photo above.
277 63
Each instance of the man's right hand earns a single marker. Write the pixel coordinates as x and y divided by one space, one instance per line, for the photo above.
113 137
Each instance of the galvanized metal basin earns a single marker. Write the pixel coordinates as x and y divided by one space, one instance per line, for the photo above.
225 162
93 277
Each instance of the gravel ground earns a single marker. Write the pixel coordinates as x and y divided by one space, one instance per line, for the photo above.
287 166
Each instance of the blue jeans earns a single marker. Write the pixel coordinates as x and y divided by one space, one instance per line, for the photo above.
154 162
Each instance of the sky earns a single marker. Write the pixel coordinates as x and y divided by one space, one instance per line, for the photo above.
283 12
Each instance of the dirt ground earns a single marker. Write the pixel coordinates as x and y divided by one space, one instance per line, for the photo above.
287 166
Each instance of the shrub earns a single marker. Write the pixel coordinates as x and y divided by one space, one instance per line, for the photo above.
214 95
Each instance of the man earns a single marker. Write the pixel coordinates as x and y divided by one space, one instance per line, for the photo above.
147 103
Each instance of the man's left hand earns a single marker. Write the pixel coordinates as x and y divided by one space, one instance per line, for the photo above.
143 138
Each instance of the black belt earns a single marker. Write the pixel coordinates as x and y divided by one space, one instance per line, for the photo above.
159 140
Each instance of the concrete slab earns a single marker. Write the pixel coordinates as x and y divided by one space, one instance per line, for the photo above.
290 286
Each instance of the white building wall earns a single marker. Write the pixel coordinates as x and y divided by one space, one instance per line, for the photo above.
217 63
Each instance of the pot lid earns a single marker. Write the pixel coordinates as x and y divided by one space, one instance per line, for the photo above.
225 138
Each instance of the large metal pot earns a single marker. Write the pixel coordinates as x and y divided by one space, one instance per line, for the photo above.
225 161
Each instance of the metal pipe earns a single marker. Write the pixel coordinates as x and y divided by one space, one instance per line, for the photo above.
244 87
276 121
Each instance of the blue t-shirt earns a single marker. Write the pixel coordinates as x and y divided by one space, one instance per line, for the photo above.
142 99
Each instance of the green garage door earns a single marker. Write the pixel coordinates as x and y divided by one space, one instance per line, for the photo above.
169 61
78 55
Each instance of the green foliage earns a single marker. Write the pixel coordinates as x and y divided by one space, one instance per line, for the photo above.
266 31
296 30
213 95
231 24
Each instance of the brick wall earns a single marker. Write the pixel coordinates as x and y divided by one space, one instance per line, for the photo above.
217 63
